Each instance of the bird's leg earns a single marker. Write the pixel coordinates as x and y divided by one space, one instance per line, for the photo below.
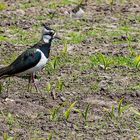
29 83
33 81
8 83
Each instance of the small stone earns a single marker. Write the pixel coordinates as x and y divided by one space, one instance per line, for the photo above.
63 99
9 100
66 13
78 14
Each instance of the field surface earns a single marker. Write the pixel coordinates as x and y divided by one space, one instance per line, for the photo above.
90 89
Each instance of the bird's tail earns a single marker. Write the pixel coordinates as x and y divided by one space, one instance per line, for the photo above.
4 72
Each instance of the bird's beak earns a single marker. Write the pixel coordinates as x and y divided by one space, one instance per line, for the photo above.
56 37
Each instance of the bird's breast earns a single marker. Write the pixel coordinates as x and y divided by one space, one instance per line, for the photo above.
42 61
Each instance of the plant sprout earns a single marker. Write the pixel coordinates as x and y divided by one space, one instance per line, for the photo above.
68 111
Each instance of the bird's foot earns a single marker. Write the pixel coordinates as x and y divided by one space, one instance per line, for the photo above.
30 85
32 81
36 87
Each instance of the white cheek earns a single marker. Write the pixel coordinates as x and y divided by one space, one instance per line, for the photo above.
46 38
45 30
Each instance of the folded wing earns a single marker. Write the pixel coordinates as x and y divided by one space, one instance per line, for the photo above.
25 61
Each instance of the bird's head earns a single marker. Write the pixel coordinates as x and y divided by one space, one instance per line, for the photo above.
48 34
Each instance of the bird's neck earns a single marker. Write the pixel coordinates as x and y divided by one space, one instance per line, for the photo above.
45 48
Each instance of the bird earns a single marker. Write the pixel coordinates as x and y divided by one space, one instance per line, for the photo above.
33 59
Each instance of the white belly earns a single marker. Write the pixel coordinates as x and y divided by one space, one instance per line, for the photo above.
39 66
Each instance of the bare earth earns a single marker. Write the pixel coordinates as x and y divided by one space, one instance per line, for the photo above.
75 73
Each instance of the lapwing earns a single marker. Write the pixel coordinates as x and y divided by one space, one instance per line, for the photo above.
33 59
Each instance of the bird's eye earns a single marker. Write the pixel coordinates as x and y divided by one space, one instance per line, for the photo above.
51 33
